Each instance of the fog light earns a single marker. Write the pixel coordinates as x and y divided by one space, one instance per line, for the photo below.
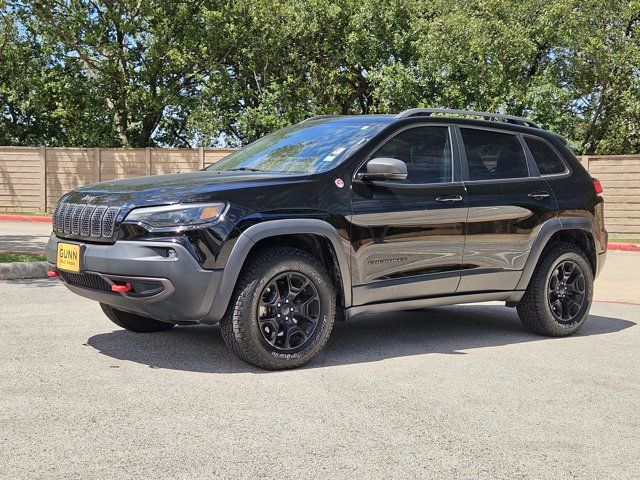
171 253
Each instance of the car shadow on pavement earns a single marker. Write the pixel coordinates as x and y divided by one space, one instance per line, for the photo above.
36 282
449 330
24 243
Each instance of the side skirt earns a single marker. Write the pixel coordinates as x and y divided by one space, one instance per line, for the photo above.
511 298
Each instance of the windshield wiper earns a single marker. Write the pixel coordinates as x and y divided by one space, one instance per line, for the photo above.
244 169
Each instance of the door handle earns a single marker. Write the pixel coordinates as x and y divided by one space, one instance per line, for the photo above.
449 198
539 195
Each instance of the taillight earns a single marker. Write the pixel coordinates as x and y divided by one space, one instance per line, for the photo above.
598 186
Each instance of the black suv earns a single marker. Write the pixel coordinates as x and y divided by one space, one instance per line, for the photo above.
339 216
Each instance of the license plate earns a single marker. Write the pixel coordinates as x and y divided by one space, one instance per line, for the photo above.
68 257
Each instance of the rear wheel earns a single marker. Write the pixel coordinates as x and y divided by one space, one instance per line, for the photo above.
282 310
133 322
558 298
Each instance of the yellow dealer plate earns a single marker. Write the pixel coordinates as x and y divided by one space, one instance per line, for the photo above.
69 257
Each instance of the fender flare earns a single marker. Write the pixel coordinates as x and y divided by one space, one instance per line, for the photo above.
546 232
272 228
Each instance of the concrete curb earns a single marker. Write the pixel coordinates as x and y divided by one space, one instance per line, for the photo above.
624 246
18 270
25 218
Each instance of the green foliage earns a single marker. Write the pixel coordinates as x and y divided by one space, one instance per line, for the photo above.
183 73
6 257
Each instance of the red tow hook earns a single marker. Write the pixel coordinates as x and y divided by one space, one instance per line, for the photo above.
121 288
52 274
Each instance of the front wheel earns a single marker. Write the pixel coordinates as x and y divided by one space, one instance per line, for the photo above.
282 310
558 298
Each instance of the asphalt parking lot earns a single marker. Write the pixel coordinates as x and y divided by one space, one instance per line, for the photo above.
28 237
458 392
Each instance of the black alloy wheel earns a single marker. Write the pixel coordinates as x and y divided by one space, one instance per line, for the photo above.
288 311
566 291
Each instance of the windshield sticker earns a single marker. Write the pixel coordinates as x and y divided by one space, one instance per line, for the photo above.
332 156
365 127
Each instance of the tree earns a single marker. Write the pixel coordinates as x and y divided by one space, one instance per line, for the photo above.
143 57
186 73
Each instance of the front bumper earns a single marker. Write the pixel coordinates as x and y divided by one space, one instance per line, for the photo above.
168 289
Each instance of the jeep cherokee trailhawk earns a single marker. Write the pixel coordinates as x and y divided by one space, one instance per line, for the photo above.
339 216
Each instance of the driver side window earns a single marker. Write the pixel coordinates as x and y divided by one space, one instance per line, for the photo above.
425 150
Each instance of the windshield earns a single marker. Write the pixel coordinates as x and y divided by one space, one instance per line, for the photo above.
309 147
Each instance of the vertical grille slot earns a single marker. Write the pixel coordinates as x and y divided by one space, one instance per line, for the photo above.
56 217
109 221
85 224
96 221
68 211
75 219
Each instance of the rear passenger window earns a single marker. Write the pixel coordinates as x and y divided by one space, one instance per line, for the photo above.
493 155
546 157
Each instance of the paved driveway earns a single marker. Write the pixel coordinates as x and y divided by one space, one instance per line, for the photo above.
29 237
460 392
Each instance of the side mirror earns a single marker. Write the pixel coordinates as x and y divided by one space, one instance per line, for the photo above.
383 168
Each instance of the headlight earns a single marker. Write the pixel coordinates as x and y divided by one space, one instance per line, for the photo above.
176 216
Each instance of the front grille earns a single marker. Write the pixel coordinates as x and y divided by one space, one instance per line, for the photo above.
90 221
85 280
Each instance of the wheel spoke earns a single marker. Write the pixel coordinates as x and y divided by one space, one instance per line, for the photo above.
283 288
297 284
577 286
303 309
571 302
559 273
270 295
567 268
269 327
294 337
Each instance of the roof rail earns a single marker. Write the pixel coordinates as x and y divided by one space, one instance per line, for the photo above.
412 112
318 117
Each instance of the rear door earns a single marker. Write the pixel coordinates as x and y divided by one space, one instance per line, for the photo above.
508 202
408 235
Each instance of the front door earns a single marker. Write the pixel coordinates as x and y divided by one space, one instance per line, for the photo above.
408 235
508 202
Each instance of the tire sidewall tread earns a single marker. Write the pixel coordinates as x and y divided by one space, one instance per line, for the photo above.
239 327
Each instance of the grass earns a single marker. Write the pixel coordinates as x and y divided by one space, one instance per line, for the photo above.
624 239
22 257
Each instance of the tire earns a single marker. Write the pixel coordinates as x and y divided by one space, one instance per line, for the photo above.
554 307
133 322
251 328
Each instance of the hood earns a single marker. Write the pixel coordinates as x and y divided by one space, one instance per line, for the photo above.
201 186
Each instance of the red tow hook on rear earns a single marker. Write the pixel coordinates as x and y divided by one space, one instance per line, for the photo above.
52 274
121 288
